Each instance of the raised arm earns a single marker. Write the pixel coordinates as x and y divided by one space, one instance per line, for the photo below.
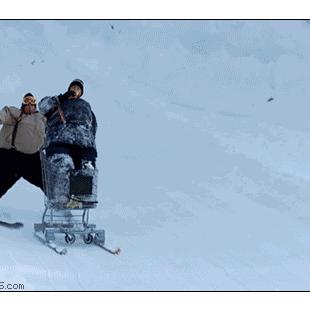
47 106
7 116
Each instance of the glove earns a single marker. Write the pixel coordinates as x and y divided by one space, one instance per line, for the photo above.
65 96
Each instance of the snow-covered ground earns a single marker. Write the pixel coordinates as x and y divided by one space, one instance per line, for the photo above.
204 180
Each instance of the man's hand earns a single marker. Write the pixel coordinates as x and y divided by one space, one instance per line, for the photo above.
65 96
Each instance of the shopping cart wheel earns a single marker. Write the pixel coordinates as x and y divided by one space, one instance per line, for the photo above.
70 238
88 239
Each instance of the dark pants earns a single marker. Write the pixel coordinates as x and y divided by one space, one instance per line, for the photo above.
77 153
15 165
62 160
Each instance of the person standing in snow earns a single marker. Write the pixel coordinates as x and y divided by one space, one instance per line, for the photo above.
21 137
70 137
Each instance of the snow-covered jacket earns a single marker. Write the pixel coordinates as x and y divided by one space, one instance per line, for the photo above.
24 132
80 126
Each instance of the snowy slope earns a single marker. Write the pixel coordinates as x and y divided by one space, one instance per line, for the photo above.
204 183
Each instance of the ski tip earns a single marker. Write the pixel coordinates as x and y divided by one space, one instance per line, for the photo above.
117 251
16 225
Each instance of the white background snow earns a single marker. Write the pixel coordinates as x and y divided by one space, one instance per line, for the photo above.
204 183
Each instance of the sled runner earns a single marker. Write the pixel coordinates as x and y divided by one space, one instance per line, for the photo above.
70 220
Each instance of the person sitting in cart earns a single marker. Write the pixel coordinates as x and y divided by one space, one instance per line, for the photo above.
70 138
21 137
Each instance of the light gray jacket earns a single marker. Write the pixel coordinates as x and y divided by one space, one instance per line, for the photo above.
30 131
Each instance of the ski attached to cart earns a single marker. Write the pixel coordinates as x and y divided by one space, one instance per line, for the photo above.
51 245
90 235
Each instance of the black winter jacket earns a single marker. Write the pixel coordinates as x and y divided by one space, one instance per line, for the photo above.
80 127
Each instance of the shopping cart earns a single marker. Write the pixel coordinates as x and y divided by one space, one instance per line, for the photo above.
70 219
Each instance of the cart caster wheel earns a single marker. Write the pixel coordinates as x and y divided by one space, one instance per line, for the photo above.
70 238
88 239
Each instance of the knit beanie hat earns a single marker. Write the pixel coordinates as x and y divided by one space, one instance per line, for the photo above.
79 83
29 95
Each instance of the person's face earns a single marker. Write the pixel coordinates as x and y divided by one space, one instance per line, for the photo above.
29 105
77 90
